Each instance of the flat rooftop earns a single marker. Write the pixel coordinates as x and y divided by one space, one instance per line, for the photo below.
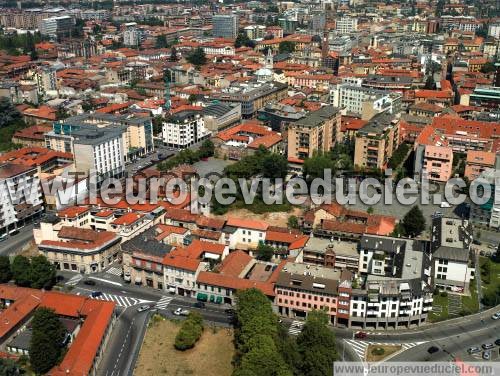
320 245
315 271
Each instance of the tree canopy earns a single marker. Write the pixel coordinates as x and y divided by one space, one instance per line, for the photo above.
413 222
38 273
197 57
5 272
47 340
264 252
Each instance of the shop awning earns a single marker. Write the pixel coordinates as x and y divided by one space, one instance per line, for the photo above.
218 300
201 296
212 299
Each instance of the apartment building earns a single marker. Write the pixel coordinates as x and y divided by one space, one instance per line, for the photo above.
362 101
244 234
488 213
433 156
477 162
100 150
346 25
317 131
184 129
225 26
29 19
218 116
376 141
182 266
390 303
301 288
451 242
76 249
335 254
252 95
137 132
57 26
20 196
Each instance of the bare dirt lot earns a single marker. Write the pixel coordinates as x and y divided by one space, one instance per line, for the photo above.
273 219
211 356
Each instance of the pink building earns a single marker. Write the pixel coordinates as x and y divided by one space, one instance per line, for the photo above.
301 288
433 155
477 162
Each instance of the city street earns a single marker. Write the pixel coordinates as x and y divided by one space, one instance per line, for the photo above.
127 335
13 243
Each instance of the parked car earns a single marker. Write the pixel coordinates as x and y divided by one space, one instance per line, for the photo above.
199 305
126 277
433 349
497 342
143 308
496 316
96 294
487 355
445 204
487 346
473 350
360 335
89 282
181 312
229 311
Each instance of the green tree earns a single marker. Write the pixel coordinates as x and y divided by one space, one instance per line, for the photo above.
207 149
42 273
190 332
286 46
413 222
21 271
197 57
316 344
263 358
47 340
5 272
10 114
489 67
242 40
173 54
315 166
9 368
293 222
264 252
430 84
192 98
274 166
161 41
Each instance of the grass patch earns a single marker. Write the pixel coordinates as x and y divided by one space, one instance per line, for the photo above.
211 356
441 303
470 303
376 353
490 280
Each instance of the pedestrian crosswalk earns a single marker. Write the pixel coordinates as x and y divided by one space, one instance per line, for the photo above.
114 270
360 347
121 301
164 302
296 328
73 281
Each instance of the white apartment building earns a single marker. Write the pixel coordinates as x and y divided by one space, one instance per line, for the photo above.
99 149
131 34
362 101
244 234
451 253
20 196
184 129
388 302
218 49
346 25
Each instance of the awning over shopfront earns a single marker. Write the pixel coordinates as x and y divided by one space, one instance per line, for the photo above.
202 297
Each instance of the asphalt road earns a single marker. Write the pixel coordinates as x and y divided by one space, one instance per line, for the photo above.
127 336
14 243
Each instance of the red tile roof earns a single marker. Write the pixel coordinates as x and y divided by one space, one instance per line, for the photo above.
247 223
72 211
127 219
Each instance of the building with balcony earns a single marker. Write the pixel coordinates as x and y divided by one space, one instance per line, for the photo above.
376 141
433 156
225 26
20 196
184 129
317 131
